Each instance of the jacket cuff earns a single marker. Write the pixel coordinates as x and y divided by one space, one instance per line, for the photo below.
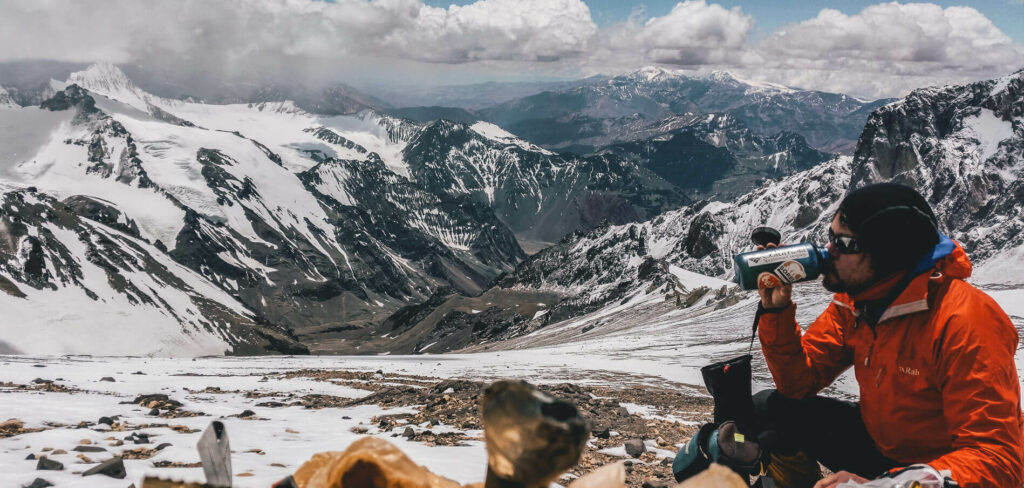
775 324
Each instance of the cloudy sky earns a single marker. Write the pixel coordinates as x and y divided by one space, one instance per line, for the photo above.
858 47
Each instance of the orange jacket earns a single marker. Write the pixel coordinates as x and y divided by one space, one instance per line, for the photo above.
938 383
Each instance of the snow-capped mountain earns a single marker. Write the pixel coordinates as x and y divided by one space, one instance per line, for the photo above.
76 276
255 199
5 99
963 148
321 225
683 256
541 196
960 146
600 112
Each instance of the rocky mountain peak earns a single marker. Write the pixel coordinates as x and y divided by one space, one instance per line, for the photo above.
5 99
103 78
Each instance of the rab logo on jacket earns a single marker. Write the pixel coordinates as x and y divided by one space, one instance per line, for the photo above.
909 371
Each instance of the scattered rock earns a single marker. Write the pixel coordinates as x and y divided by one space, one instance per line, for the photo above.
48 464
622 412
600 431
291 431
359 429
163 445
408 433
154 412
58 452
108 379
89 449
40 381
117 443
661 442
106 420
38 483
38 365
139 372
138 453
113 467
247 413
47 449
84 459
85 442
346 417
138 438
635 447
30 457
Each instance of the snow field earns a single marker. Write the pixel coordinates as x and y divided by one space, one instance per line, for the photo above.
286 436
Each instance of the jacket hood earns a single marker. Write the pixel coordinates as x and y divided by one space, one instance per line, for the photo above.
948 257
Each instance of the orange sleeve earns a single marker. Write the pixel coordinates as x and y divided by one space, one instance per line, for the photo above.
981 396
803 366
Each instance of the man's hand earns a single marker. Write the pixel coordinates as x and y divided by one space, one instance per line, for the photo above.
840 477
777 297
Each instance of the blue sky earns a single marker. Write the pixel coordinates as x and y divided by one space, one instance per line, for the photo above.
1007 15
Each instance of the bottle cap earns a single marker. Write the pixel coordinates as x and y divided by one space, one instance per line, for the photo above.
762 236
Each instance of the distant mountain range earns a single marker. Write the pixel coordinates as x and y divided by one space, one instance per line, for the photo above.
962 147
264 227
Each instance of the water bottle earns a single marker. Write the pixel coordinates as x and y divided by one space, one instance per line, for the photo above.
777 266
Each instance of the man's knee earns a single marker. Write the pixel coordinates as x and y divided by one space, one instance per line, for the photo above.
761 399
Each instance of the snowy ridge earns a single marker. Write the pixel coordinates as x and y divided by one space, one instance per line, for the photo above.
500 135
102 276
963 148
223 190
596 113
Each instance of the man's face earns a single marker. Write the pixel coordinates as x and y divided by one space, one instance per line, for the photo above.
849 273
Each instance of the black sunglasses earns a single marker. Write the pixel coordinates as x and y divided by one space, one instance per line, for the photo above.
843 244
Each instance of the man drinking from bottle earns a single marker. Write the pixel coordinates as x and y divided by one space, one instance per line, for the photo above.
932 354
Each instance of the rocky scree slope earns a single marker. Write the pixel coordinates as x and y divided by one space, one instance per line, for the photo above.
669 258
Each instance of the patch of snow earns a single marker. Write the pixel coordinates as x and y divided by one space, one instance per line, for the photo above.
989 131
692 280
497 134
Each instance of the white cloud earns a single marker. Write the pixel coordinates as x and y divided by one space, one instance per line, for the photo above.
236 30
884 50
888 49
693 34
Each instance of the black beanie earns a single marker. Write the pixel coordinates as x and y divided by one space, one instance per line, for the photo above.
893 223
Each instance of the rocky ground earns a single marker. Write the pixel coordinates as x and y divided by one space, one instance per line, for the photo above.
644 424
108 422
